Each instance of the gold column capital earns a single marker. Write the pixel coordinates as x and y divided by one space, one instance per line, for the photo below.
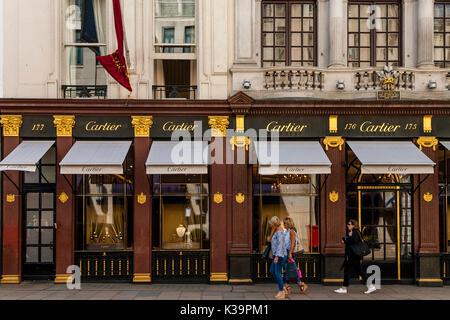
219 125
142 125
333 142
11 125
427 142
64 125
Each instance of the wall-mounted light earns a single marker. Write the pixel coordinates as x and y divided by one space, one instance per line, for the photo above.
246 84
432 84
340 84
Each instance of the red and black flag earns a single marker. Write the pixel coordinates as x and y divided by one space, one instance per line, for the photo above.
115 63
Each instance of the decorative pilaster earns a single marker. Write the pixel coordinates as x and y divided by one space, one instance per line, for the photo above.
336 12
11 125
142 125
64 125
219 125
425 27
65 205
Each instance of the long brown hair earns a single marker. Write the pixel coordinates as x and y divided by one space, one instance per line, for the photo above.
354 223
290 223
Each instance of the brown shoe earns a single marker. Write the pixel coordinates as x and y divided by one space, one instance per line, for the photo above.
303 287
287 290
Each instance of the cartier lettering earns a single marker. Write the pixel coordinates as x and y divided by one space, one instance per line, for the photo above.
294 170
176 169
289 127
171 126
107 126
397 169
91 169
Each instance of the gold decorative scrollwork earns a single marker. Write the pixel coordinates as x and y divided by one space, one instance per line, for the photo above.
333 142
219 125
427 142
64 125
239 142
333 124
427 127
11 125
142 125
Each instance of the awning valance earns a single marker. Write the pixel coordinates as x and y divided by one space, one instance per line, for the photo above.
25 156
446 144
396 157
291 157
178 157
95 157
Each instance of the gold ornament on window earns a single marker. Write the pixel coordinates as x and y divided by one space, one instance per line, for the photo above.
141 198
334 196
63 197
240 198
428 197
218 197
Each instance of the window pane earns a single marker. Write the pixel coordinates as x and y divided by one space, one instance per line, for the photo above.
308 10
352 11
392 11
447 54
32 218
47 254
308 54
365 39
393 54
365 11
365 54
32 236
280 39
33 200
438 10
268 10
439 53
31 177
439 25
381 39
381 9
268 53
308 39
49 157
32 254
353 40
296 54
296 10
267 39
381 54
296 39
393 39
82 67
280 10
353 54
296 25
48 174
268 24
47 200
47 218
447 24
393 25
280 54
89 30
280 25
46 236
353 25
308 25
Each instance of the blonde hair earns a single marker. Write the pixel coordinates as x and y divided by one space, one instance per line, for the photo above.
275 221
290 223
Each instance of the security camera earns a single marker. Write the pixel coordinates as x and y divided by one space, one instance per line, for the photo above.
246 84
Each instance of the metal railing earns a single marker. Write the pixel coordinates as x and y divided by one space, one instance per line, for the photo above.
309 265
105 266
445 268
84 91
174 92
180 266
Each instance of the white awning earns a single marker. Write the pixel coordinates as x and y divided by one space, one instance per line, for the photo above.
178 157
95 157
396 157
446 144
291 157
25 156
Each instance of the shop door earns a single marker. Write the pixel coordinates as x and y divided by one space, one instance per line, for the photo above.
39 234
385 221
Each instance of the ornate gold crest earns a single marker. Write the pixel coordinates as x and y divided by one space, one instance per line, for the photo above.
240 198
141 198
427 142
10 198
334 196
63 197
333 142
218 197
428 197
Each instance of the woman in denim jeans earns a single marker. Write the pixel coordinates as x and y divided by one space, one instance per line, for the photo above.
279 253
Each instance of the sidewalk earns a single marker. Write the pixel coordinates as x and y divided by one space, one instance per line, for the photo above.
127 291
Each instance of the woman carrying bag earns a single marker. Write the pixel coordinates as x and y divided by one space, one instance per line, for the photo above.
292 246
278 246
355 250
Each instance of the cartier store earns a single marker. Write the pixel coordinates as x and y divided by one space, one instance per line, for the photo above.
182 191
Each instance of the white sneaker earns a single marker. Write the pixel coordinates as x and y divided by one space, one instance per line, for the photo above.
370 289
340 290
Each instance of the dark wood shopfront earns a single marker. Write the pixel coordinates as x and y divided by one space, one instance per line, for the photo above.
232 255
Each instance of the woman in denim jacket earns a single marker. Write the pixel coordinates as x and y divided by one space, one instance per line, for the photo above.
279 252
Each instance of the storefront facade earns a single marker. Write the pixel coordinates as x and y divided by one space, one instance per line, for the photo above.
94 184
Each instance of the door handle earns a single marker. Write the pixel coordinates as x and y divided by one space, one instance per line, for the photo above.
55 225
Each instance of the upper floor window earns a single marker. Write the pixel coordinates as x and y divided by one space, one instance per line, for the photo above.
174 26
84 39
288 33
374 33
442 34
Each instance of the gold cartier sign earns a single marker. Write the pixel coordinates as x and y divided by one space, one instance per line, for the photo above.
288 127
357 126
171 126
107 126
